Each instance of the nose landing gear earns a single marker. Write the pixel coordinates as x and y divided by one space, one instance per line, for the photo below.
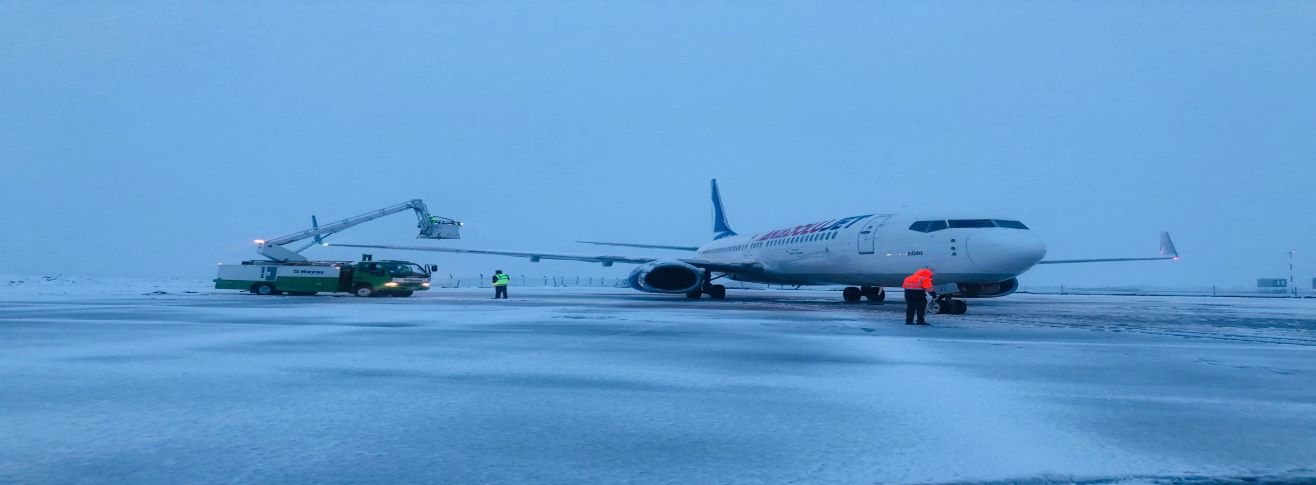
948 306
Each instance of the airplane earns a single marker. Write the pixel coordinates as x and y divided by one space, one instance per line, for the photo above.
972 257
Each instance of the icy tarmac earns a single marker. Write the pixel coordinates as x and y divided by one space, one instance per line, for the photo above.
593 385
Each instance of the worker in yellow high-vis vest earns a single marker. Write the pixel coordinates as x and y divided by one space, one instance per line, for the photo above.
500 281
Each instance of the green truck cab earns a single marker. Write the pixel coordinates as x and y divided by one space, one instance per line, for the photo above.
361 278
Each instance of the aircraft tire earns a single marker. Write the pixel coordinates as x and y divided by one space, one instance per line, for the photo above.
717 292
694 295
961 307
852 294
875 294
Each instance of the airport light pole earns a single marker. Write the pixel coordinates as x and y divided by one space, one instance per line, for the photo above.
1291 281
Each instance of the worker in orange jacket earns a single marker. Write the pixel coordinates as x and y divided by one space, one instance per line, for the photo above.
918 287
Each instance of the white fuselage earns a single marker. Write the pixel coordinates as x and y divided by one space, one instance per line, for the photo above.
881 250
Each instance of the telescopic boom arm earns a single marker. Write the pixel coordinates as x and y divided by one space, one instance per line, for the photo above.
431 227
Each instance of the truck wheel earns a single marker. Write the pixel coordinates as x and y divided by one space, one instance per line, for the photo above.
363 291
263 289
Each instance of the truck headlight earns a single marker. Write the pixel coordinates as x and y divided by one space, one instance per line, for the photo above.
425 284
390 284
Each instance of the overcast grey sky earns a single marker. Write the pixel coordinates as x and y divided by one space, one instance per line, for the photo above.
161 138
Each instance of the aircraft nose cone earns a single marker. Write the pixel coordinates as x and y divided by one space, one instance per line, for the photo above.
1007 252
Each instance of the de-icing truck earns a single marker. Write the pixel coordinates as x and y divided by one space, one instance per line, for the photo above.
286 271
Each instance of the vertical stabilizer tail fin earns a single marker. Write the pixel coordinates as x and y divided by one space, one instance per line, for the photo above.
720 227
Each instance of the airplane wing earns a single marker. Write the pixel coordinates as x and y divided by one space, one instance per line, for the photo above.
720 267
534 257
745 267
647 246
1167 252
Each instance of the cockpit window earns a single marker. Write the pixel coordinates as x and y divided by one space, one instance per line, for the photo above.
927 226
934 226
970 223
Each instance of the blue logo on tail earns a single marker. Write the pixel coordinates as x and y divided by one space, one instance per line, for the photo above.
720 227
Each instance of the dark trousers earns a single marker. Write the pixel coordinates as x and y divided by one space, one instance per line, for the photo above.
916 302
500 291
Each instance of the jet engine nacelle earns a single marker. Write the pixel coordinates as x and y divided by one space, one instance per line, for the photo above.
666 277
988 290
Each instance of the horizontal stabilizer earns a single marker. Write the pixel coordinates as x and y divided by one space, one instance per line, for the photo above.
647 246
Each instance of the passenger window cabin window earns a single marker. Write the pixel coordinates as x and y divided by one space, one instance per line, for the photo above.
970 223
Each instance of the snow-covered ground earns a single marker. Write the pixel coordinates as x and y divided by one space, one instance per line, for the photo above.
170 381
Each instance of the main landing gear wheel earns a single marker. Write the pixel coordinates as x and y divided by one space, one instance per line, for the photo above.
875 294
363 291
263 289
852 294
716 292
